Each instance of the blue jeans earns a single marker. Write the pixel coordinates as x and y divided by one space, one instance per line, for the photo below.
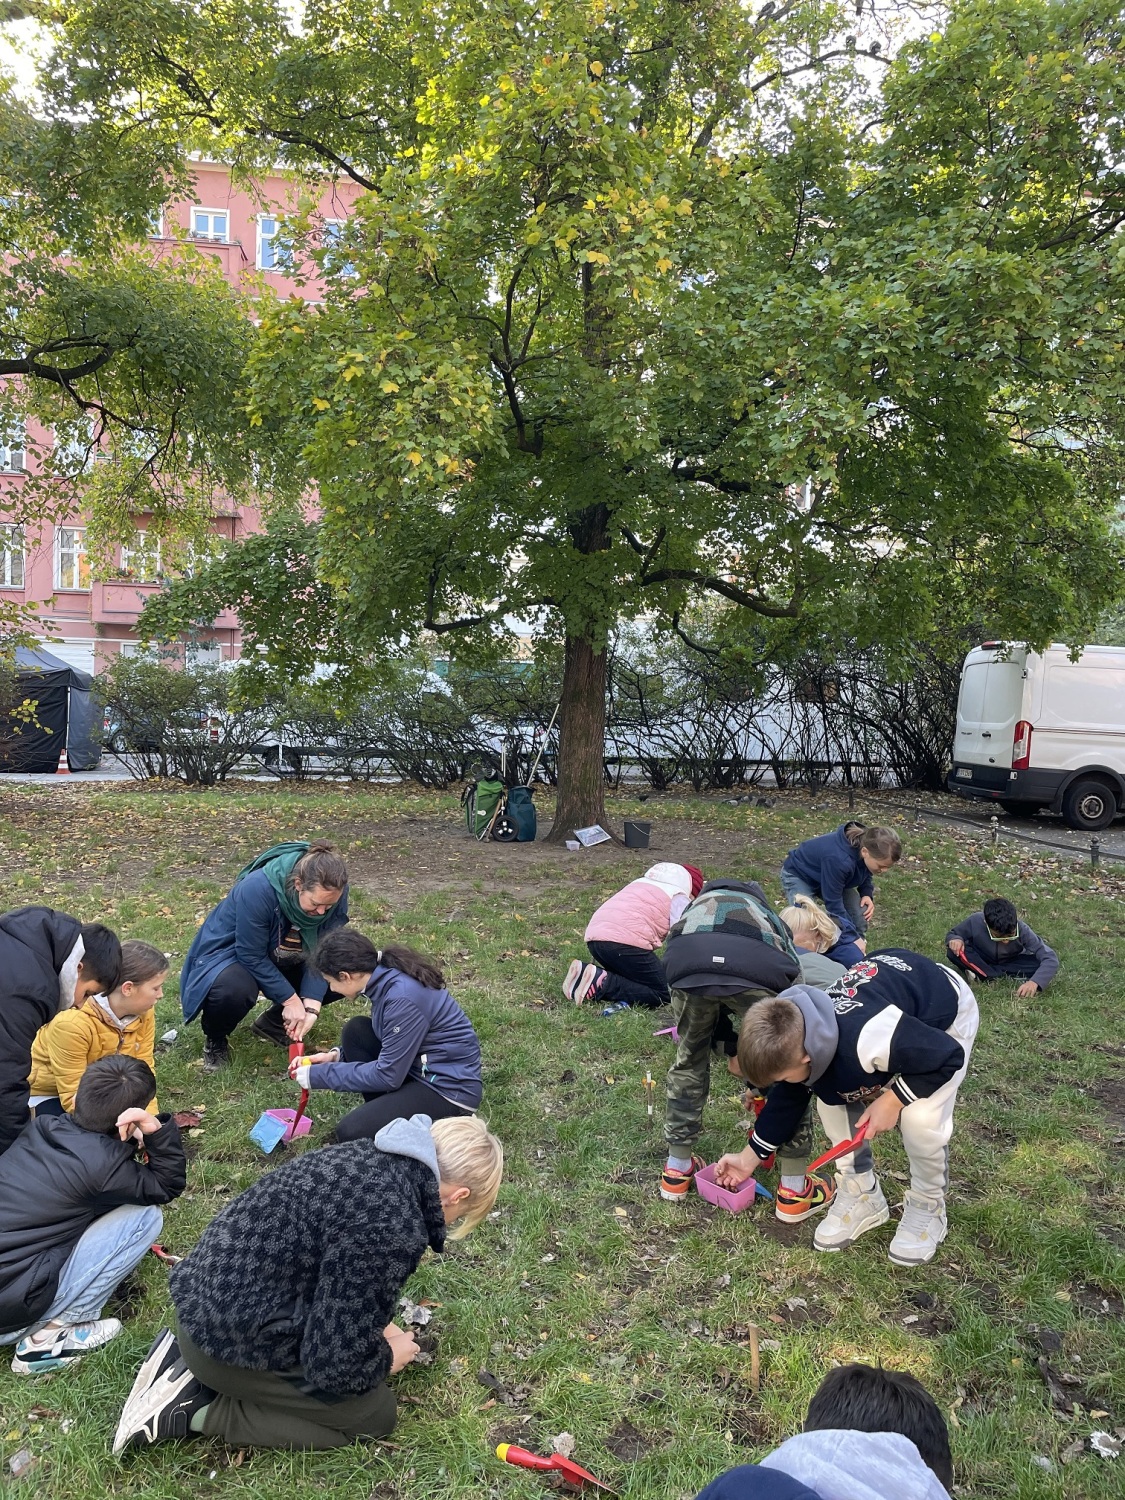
793 885
111 1247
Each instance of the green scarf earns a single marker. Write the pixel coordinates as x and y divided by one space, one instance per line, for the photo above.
278 864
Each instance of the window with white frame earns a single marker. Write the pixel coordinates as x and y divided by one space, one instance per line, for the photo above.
11 557
273 253
140 559
210 224
203 654
331 237
72 566
12 451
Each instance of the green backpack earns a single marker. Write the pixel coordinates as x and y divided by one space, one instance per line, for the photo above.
480 800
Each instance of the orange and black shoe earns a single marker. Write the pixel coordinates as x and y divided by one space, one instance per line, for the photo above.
675 1185
791 1207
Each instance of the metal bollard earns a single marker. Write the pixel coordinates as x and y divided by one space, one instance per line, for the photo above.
917 812
994 837
1095 851
851 797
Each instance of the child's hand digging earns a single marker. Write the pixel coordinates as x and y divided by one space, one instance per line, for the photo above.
404 1350
732 1170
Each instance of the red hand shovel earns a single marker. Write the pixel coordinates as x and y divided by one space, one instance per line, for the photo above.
841 1150
296 1050
573 1473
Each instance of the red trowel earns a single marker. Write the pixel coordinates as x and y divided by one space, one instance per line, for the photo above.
842 1149
573 1473
296 1050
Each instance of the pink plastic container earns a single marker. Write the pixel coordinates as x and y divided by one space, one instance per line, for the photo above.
722 1197
287 1116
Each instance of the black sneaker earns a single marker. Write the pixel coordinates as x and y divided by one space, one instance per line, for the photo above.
270 1027
216 1054
163 1409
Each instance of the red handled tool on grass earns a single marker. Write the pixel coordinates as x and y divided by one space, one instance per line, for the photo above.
296 1050
573 1473
842 1149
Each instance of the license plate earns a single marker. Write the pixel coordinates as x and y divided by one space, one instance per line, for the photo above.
965 773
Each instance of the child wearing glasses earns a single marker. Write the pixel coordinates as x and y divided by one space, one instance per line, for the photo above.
995 944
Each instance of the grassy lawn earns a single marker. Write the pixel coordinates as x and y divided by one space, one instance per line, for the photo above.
588 1305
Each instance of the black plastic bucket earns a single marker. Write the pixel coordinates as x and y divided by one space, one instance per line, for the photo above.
636 834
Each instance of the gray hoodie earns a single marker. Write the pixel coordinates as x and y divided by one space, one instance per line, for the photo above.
839 1465
410 1138
822 1034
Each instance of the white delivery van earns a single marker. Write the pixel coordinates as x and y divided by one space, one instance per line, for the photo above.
1039 730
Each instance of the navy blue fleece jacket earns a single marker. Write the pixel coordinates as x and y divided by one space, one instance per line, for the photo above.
830 865
882 1024
424 1035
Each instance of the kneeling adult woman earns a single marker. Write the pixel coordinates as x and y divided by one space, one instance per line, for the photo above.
417 1053
284 1307
260 938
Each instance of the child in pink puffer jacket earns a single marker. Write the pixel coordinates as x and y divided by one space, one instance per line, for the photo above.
623 936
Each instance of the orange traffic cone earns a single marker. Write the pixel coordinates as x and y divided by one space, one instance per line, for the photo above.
64 764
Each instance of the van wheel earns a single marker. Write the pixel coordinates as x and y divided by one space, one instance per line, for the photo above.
1089 805
1021 809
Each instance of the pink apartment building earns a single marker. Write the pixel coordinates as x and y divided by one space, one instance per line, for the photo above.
92 619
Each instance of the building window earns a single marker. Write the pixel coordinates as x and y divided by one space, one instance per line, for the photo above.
209 224
72 567
12 448
156 224
11 557
203 654
140 560
335 262
272 256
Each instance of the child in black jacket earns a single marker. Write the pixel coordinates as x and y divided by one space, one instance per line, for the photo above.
894 1034
78 1210
299 1357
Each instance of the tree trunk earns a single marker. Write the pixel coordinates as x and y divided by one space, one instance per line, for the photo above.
581 794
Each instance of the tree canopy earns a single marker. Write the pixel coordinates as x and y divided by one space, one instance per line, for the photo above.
646 303
124 356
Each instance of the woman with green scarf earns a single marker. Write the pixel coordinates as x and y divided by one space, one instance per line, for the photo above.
259 940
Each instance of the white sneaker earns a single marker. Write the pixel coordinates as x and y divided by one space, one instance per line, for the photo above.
573 975
68 1345
921 1230
854 1211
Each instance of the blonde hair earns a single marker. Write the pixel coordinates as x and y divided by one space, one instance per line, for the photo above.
469 1155
806 915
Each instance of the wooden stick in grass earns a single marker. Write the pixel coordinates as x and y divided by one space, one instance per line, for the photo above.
755 1360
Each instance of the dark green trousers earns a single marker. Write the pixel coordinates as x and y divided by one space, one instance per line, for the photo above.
261 1409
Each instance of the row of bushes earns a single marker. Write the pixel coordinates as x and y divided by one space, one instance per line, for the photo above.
676 714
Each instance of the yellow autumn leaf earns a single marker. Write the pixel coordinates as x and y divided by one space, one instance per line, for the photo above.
388 386
352 371
683 207
663 264
597 69
414 456
320 404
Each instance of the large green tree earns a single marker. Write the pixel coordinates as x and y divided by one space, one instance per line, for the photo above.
131 362
647 302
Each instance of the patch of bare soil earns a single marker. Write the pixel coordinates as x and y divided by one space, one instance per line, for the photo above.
627 1443
1110 1093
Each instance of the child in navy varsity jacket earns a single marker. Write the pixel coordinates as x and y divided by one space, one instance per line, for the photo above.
893 1035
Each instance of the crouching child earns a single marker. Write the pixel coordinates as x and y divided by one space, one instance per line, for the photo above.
299 1357
893 1034
79 1208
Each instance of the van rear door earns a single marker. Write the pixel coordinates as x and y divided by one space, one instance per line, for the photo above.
989 706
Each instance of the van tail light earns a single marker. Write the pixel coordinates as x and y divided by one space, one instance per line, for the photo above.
1021 746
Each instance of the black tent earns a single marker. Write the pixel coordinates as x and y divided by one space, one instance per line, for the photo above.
65 714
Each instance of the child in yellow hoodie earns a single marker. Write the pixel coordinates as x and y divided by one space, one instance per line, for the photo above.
123 1021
